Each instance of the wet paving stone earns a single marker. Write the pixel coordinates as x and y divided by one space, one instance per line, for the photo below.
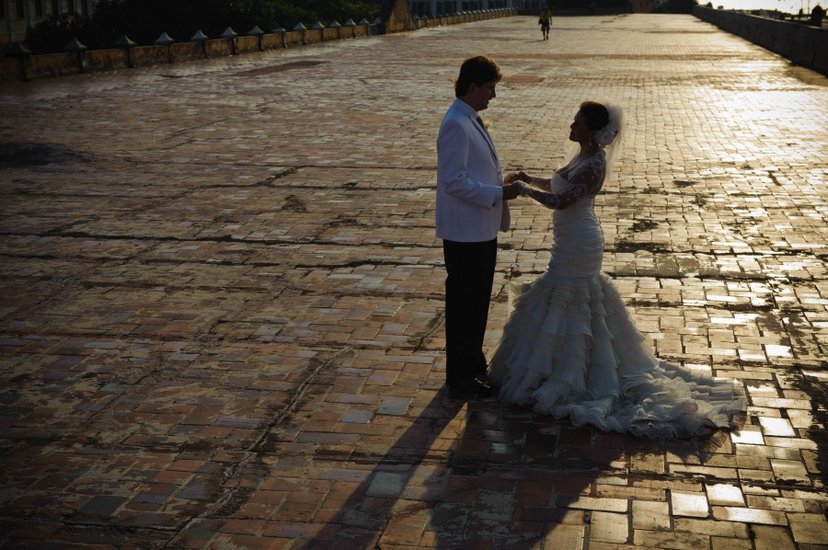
221 316
689 504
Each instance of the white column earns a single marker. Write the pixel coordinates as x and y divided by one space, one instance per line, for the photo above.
10 17
27 13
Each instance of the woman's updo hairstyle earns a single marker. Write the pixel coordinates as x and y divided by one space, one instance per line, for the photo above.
595 114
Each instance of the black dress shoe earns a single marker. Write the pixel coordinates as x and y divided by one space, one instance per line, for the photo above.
465 389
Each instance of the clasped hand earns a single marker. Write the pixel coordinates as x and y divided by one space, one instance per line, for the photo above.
516 176
514 184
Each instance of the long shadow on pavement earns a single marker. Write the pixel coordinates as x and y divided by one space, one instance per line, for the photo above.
810 382
483 474
381 499
513 479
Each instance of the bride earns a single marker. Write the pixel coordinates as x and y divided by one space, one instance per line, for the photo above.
569 348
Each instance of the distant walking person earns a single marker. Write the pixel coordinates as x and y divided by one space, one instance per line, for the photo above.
545 21
816 16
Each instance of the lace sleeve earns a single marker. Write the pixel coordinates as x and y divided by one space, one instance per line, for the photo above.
585 179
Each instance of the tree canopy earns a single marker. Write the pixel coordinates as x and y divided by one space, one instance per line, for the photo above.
677 6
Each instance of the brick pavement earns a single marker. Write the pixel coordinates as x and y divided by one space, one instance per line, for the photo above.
221 316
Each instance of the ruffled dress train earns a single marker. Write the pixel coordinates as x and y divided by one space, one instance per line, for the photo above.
570 349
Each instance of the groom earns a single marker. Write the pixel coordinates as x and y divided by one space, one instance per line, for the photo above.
471 207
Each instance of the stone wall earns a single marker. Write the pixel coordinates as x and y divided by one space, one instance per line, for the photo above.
804 45
25 66
396 16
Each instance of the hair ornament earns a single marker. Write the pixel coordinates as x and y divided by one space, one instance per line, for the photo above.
606 135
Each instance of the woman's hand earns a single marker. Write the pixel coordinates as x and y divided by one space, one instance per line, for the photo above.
522 188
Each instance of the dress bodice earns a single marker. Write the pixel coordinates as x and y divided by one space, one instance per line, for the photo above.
578 240
577 221
578 246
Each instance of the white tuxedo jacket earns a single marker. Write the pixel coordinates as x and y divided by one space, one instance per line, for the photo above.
470 205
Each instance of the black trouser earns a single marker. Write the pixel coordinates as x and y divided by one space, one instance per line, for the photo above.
470 268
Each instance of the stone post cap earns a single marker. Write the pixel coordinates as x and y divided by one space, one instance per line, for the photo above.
318 26
124 42
75 45
229 33
199 36
17 49
164 39
255 31
350 23
300 27
334 25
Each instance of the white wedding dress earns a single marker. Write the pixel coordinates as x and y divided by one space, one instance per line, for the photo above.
570 349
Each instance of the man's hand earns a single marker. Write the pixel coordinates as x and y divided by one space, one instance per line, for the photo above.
515 176
510 191
511 177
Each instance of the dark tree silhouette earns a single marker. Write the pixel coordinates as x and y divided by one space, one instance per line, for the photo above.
677 6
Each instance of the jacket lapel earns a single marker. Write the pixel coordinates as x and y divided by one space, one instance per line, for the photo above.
488 139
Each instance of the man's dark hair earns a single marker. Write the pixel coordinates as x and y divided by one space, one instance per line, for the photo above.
478 70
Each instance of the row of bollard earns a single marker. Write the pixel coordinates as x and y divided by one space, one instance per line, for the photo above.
127 45
165 39
279 37
229 34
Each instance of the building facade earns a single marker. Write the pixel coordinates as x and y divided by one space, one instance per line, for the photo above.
642 6
430 8
18 15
